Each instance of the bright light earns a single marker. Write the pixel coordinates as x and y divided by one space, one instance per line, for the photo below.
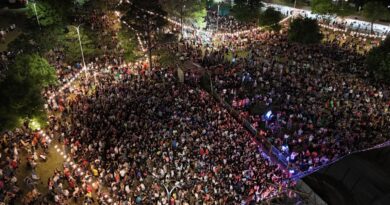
34 124
284 148
268 115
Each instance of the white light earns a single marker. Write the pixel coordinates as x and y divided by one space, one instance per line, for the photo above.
268 115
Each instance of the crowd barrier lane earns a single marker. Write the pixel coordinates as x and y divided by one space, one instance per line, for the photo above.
266 147
308 172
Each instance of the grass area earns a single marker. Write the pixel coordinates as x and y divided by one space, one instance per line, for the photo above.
9 17
44 170
347 11
8 39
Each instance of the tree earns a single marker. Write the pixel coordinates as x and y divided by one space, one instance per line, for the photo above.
147 24
166 56
270 17
47 15
80 3
322 6
378 61
39 41
187 9
304 30
128 44
21 90
374 11
247 10
71 45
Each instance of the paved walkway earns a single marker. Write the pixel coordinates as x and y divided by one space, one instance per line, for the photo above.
351 22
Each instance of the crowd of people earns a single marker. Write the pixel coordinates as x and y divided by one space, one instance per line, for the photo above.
25 148
322 109
138 134
226 23
134 137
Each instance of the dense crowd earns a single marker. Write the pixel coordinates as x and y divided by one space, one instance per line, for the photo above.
226 23
134 137
322 109
139 134
25 148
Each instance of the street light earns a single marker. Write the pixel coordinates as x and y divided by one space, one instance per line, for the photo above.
36 13
81 46
217 17
169 191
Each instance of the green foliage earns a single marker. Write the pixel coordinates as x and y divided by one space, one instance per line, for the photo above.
322 6
80 3
187 9
146 24
200 18
247 10
378 61
374 11
71 45
47 15
166 58
304 30
270 17
128 42
21 90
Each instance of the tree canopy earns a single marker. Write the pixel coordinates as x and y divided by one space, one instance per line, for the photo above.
270 17
187 9
71 45
378 61
128 44
21 90
374 11
322 6
304 30
146 24
247 10
47 15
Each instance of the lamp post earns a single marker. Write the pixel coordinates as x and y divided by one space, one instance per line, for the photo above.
218 17
169 191
295 4
82 52
81 46
181 19
36 13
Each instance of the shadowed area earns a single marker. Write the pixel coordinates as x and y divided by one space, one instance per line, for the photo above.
362 178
